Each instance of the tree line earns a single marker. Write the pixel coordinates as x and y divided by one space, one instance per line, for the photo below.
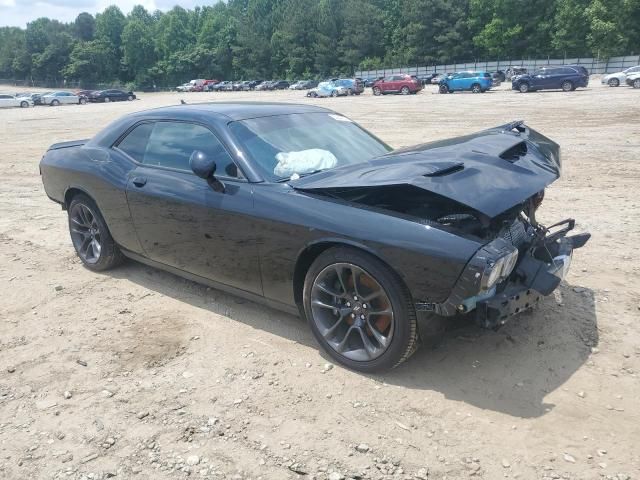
264 39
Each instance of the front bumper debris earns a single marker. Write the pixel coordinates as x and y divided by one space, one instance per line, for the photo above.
537 275
542 265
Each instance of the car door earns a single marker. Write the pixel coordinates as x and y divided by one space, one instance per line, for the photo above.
180 220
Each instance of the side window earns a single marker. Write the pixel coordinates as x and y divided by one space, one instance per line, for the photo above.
170 144
135 143
4 97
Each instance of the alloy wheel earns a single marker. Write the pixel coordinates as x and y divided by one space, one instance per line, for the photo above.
352 311
636 83
476 89
614 82
85 233
567 86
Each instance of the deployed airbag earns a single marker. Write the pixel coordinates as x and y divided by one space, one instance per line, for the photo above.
303 161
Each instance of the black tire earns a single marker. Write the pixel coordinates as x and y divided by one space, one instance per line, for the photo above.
614 82
403 328
334 93
349 92
443 89
55 103
636 83
567 86
24 104
109 255
376 91
82 101
130 98
476 88
405 90
523 87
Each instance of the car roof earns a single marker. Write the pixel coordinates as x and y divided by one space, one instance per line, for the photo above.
235 110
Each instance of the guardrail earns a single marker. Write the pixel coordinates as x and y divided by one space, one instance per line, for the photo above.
594 65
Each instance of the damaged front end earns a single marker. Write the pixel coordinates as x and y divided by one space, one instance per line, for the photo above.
485 187
505 278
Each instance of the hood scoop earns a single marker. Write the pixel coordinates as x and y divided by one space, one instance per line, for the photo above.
446 170
514 153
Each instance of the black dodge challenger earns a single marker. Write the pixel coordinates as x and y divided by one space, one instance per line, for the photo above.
300 208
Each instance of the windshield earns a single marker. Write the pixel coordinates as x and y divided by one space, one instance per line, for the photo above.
286 146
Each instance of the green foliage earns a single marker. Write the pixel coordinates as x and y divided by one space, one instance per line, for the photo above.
261 39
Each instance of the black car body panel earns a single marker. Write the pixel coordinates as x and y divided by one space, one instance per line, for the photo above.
506 165
255 237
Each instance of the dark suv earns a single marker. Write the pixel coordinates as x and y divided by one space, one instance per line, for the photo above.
565 77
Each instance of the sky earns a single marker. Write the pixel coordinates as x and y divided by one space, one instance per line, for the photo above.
17 13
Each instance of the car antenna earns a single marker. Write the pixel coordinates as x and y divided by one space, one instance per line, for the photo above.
182 102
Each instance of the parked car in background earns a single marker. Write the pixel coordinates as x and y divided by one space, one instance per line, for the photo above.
354 86
62 98
36 98
254 83
185 87
426 79
436 80
207 84
495 79
615 79
552 78
633 80
265 85
220 86
401 83
500 75
113 95
8 101
327 89
514 72
84 93
279 85
369 81
476 82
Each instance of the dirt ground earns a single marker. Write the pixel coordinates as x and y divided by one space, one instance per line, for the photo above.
136 373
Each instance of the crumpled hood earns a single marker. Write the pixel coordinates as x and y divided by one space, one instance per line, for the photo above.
490 171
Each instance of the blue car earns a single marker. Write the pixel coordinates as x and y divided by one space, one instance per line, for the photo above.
566 78
476 82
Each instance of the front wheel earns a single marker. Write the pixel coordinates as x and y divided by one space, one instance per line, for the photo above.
90 236
636 83
567 86
376 91
130 98
476 88
614 82
55 103
443 89
24 104
524 87
107 99
82 101
405 91
334 93
359 310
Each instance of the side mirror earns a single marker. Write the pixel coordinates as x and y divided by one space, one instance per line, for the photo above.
202 165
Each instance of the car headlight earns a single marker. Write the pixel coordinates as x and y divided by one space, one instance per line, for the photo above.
499 269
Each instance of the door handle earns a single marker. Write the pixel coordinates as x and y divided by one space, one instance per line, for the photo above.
139 181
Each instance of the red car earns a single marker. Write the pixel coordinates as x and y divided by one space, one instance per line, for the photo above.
404 84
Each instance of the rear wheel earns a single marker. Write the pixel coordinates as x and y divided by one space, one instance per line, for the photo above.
349 92
443 89
130 98
476 88
614 82
55 103
405 90
567 86
334 93
376 91
524 87
90 236
107 99
359 310
24 104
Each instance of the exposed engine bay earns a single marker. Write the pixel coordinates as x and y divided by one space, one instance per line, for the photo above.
441 212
